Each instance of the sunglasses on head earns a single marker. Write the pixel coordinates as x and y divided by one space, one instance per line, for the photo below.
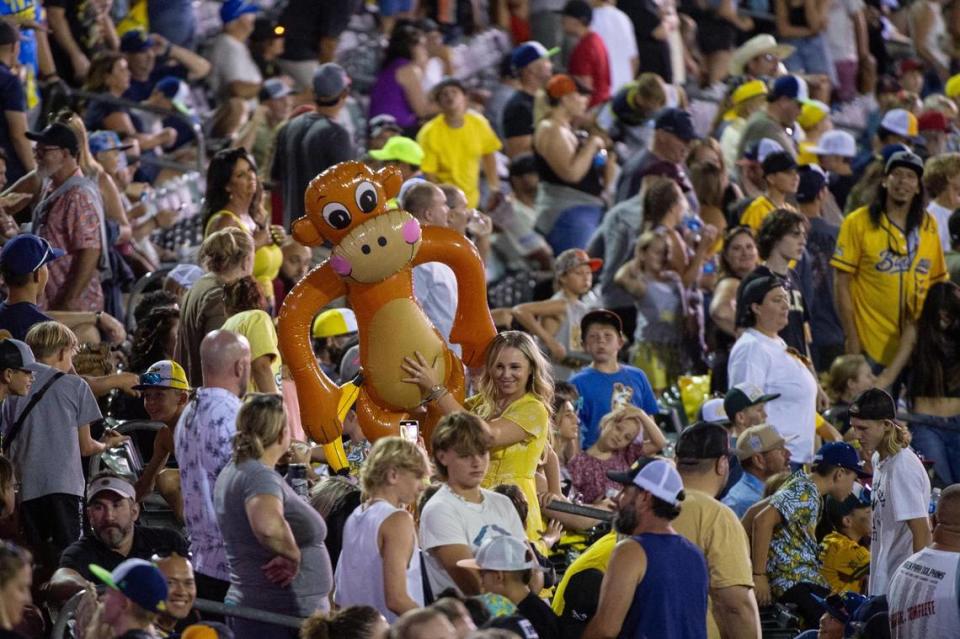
154 379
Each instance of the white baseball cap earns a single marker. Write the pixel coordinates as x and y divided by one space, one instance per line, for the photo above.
712 411
656 476
501 553
836 142
112 484
901 122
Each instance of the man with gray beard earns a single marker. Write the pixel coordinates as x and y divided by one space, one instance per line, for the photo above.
112 537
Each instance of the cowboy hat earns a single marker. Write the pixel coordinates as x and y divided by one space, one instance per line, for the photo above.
758 45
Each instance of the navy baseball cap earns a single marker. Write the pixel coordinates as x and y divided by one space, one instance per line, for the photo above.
233 9
841 607
528 53
812 181
139 581
840 454
873 404
789 86
676 121
135 41
16 354
329 82
26 253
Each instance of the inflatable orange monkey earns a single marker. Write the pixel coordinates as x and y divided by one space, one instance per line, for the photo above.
374 252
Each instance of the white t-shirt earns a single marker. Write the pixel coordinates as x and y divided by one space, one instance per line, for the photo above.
841 37
924 596
764 362
435 287
615 29
901 491
448 520
230 61
942 216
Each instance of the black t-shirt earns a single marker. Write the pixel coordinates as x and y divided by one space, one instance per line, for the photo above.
840 186
518 115
793 334
20 317
580 600
147 542
12 98
540 615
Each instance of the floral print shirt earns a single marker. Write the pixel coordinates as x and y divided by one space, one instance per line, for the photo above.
794 553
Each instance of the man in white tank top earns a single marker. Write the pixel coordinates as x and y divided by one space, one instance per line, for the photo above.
924 595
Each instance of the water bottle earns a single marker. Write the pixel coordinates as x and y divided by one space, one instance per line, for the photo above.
934 498
600 159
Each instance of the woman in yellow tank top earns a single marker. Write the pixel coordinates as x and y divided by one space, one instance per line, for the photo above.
233 198
514 399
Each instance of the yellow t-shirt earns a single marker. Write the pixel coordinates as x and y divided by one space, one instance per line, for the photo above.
453 155
517 463
844 563
715 529
891 276
596 557
266 261
258 328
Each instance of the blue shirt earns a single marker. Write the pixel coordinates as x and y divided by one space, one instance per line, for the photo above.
745 493
602 392
20 317
676 572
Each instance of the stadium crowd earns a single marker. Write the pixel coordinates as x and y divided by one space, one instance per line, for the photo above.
721 243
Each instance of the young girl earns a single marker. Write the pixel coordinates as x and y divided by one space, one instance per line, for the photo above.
556 321
661 309
849 376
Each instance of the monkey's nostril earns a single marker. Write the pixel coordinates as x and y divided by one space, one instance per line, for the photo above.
365 249
382 241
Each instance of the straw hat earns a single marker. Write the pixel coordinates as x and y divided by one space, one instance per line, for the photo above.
758 45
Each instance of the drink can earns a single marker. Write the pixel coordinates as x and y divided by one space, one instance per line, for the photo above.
297 478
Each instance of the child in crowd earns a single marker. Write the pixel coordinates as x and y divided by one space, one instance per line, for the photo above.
845 564
607 384
556 321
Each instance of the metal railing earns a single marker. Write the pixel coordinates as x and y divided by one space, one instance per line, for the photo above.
138 106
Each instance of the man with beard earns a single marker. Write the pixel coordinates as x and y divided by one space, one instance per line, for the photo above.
888 255
181 593
113 537
296 262
654 568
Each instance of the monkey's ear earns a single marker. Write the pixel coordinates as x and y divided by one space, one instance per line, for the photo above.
306 233
391 179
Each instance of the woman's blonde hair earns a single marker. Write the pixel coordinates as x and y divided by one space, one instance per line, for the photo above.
540 383
46 339
649 237
620 415
88 164
390 453
260 423
225 249
842 370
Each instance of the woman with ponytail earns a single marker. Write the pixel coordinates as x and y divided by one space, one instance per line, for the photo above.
355 622
273 538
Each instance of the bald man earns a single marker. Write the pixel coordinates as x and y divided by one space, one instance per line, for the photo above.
203 442
924 595
182 592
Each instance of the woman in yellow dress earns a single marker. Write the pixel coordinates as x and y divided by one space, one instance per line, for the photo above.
514 399
233 198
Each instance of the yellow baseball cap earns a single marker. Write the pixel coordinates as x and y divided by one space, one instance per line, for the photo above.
164 374
952 89
336 321
399 149
748 90
812 113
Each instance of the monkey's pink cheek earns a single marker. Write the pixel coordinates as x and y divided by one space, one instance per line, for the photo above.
411 232
341 265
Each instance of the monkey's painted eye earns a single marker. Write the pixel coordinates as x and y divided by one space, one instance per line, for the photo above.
366 196
336 215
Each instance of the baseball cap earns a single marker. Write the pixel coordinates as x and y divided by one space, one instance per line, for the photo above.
233 9
274 89
836 142
932 120
57 135
101 141
812 113
909 64
600 316
333 322
841 607
747 90
745 394
703 440
207 630
380 123
329 82
135 41
501 553
562 84
952 87
528 53
656 476
906 159
26 253
901 122
578 9
759 150
840 454
758 439
572 258
266 29
139 581
186 275
753 293
777 162
712 411
175 90
164 374
812 181
788 86
116 485
676 121
873 403
17 355
400 149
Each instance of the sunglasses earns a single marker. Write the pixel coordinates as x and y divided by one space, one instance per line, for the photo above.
154 379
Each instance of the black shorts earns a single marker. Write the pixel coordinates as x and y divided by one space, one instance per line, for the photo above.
335 16
715 34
